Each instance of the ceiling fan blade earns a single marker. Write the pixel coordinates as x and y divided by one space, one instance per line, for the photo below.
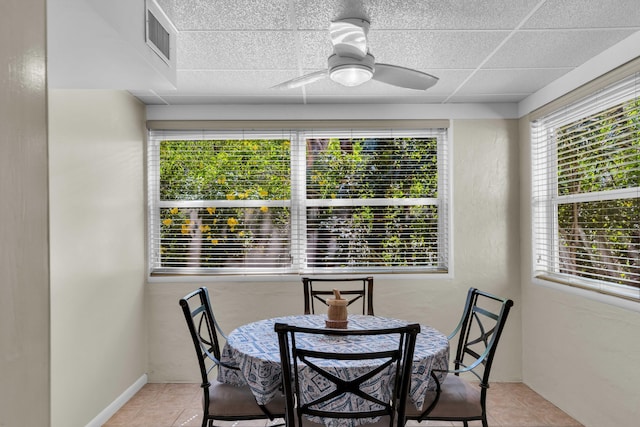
403 77
349 37
302 80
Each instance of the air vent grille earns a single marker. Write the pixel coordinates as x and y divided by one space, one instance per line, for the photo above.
158 36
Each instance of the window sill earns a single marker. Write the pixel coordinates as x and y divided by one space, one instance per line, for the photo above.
293 277
622 301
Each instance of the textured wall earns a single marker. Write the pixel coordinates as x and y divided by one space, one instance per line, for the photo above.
24 256
98 342
579 351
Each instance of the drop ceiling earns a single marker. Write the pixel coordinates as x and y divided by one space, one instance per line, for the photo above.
483 51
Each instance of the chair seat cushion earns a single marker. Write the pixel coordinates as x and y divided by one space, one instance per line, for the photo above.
226 400
458 399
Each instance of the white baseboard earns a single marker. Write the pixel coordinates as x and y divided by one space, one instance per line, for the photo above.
108 412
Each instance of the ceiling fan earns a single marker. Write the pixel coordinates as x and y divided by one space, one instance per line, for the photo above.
351 63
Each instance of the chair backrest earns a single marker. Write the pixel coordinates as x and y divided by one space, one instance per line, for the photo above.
315 377
479 331
353 289
204 329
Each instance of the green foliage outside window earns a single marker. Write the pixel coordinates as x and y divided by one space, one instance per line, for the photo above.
225 170
400 235
233 203
235 171
601 238
372 168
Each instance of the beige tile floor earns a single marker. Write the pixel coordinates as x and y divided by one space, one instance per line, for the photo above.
179 405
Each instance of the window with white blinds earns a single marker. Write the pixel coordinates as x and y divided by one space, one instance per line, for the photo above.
586 192
298 201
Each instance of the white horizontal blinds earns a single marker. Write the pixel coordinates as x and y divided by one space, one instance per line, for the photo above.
374 201
223 201
240 202
444 189
586 190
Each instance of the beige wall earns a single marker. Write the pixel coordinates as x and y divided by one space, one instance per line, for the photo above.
486 255
24 251
580 353
98 336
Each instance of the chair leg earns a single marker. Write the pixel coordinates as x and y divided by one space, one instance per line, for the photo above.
484 422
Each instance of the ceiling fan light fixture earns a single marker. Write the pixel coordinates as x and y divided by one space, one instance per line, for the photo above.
349 71
351 75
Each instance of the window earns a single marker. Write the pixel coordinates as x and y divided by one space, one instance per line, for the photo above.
298 202
586 192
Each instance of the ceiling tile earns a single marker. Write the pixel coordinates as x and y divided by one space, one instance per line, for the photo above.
499 82
554 48
449 80
450 15
581 14
315 48
230 15
434 49
316 15
236 82
416 14
240 50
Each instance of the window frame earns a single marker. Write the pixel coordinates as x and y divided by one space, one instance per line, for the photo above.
546 200
298 200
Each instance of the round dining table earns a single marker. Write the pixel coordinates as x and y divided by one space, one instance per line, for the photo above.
253 348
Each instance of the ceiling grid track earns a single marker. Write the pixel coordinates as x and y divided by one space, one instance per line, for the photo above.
296 34
497 48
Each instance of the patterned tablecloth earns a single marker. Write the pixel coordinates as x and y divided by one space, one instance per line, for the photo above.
254 349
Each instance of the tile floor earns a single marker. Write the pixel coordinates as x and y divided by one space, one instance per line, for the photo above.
179 405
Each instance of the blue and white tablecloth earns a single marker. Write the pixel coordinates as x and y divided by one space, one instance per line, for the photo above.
254 349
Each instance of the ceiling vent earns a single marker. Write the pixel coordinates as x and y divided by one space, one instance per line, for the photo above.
159 34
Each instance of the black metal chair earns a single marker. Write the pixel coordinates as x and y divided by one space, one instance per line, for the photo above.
324 288
332 385
478 334
221 402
